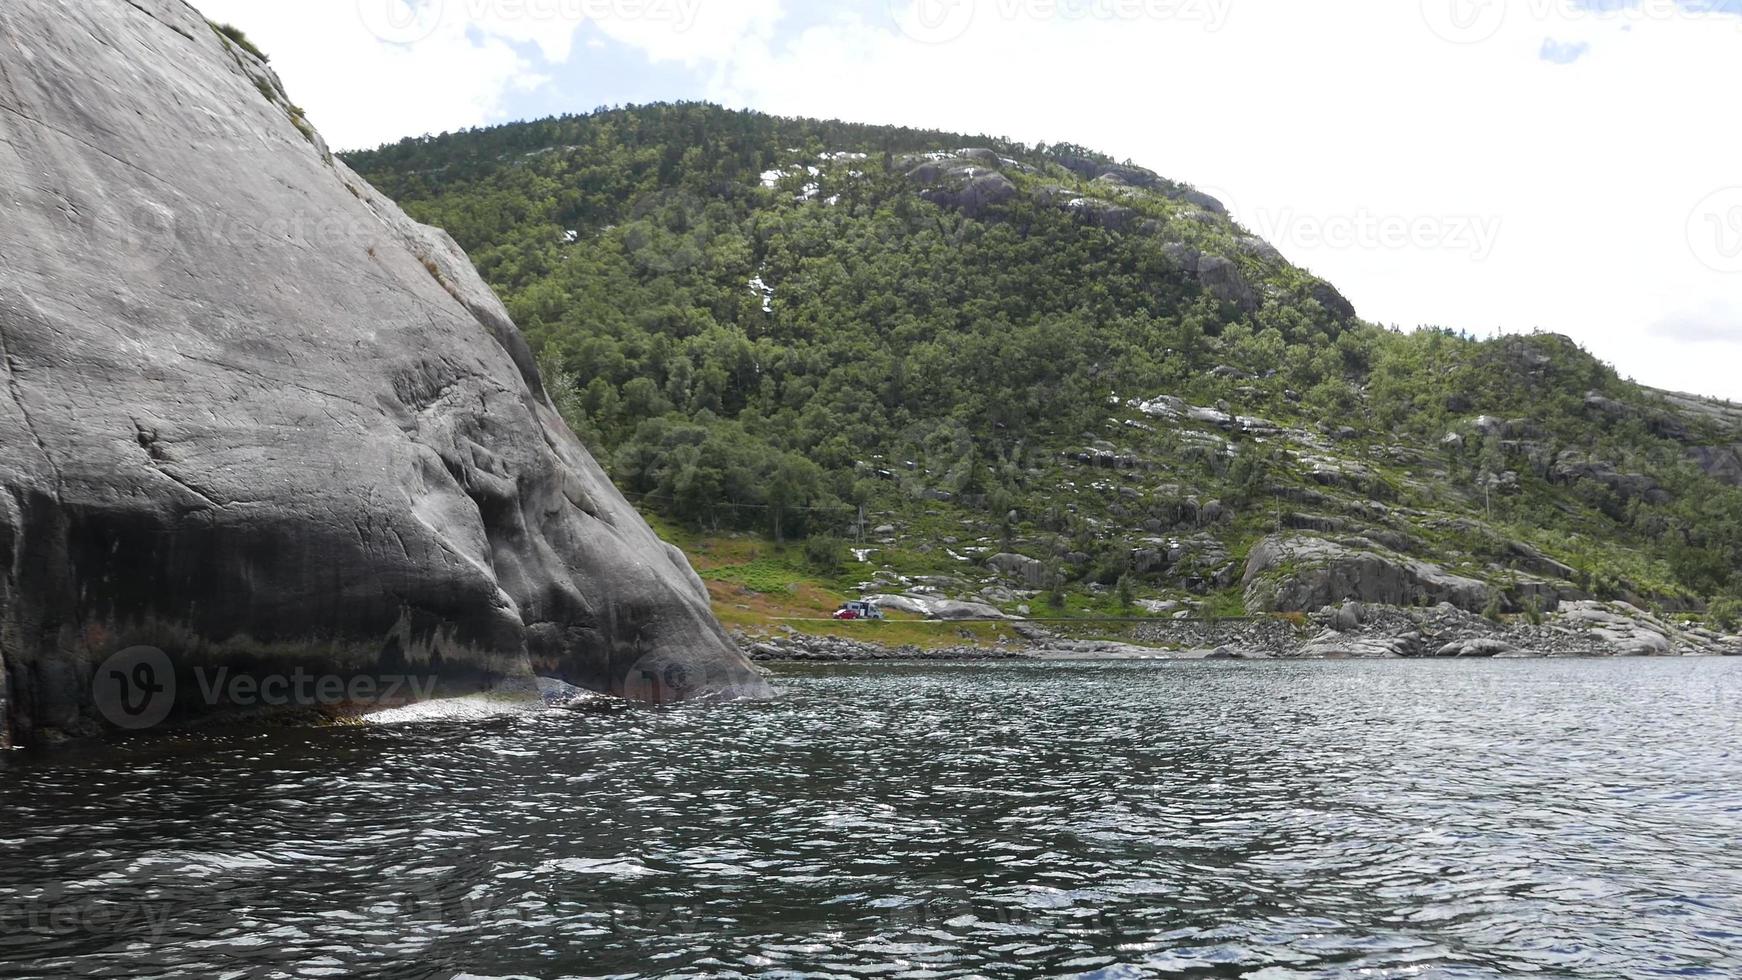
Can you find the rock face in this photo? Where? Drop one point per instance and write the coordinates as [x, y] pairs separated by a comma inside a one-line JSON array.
[[256, 417], [953, 184], [1573, 465], [1301, 574], [1484, 647], [1723, 463], [961, 181]]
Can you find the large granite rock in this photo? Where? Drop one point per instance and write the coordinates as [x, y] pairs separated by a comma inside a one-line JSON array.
[[1619, 629], [968, 187], [1132, 176], [1333, 301], [1302, 573], [1337, 646], [1223, 279], [254, 416]]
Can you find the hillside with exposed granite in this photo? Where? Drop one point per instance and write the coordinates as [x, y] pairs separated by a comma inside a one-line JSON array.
[[1036, 381]]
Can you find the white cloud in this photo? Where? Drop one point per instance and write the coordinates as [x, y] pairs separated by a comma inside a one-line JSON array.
[[1713, 323], [1564, 52], [372, 71], [1548, 198], [689, 31], [361, 90], [1587, 200]]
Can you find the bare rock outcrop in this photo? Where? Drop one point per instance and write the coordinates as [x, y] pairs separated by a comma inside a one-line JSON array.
[[255, 417], [1301, 573]]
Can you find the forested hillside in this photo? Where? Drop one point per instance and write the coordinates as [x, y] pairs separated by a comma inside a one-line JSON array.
[[1037, 353]]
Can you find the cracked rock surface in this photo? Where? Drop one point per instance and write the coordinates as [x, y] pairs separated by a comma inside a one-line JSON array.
[[253, 415]]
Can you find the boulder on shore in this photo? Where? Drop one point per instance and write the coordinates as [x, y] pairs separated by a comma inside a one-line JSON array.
[[1477, 648], [257, 418]]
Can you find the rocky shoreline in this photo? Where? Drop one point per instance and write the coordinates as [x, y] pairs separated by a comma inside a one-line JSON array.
[[834, 649], [1348, 631]]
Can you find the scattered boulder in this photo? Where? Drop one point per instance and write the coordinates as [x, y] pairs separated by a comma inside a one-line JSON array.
[[1182, 256], [1477, 648], [1618, 629], [1333, 301], [1347, 619], [1163, 407], [1130, 176], [1197, 198], [1237, 653], [1603, 405], [1336, 646], [1488, 425], [1133, 176], [1148, 561], [965, 186], [1261, 250], [1222, 279], [1103, 214], [1211, 416], [1031, 573]]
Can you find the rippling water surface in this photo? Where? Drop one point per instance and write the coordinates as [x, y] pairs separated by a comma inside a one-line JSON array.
[[1542, 818]]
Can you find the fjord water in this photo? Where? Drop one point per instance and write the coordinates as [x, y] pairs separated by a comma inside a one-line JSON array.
[[1273, 820]]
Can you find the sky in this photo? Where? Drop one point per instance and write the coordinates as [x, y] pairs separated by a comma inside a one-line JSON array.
[[1572, 166]]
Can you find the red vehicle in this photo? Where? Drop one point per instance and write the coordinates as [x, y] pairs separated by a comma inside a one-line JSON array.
[[858, 610]]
